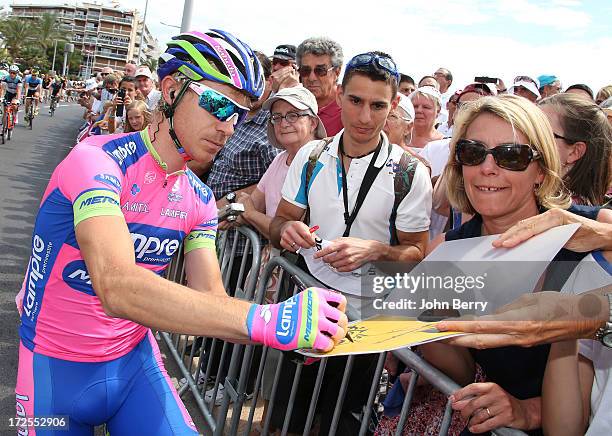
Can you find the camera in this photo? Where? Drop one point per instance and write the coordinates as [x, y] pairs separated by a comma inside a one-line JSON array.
[[485, 79], [119, 109]]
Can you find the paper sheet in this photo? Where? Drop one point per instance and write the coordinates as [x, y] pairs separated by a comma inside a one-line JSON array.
[[380, 334]]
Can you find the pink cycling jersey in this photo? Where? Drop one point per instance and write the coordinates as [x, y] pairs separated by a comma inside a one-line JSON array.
[[120, 175]]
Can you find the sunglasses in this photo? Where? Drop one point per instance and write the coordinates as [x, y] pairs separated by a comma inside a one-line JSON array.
[[282, 62], [319, 70], [366, 59], [218, 105], [513, 157], [525, 79]]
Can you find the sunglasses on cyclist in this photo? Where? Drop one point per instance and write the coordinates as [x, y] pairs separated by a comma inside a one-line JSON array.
[[366, 59], [319, 70], [218, 105], [513, 157], [291, 117]]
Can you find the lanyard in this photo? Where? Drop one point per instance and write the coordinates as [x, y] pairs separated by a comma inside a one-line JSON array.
[[366, 184]]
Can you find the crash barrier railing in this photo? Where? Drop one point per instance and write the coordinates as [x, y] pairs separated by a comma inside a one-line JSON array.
[[202, 359], [240, 370], [234, 387]]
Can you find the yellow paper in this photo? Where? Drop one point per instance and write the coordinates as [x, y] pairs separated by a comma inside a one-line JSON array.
[[384, 333]]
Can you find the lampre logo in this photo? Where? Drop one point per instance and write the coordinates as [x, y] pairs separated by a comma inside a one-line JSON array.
[[36, 274], [76, 276], [286, 325], [22, 430], [109, 179], [122, 152], [153, 250]]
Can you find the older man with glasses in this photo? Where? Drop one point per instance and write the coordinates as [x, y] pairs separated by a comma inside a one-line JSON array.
[[319, 63]]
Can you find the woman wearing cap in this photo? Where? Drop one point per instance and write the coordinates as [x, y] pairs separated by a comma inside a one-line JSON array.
[[400, 123], [426, 101], [519, 180], [584, 139], [293, 123]]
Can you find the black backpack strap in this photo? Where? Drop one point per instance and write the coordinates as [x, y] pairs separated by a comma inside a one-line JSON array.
[[402, 183], [313, 158]]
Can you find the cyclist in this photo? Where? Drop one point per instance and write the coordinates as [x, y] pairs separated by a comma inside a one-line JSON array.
[[33, 88], [47, 81], [4, 70], [56, 87], [114, 213], [11, 89]]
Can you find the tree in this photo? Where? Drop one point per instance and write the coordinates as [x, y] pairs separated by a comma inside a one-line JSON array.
[[48, 30], [151, 63], [15, 33]]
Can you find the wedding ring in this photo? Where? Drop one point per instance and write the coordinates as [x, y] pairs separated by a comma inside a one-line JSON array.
[[488, 412], [293, 244]]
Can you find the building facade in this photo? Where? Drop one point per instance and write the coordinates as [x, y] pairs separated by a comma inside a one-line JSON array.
[[107, 36]]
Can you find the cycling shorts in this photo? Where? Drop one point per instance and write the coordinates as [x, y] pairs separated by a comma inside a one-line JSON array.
[[131, 394], [9, 97], [31, 92]]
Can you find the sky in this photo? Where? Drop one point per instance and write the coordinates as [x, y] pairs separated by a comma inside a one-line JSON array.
[[497, 38]]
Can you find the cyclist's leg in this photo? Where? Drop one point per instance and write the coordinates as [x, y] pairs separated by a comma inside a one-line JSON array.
[[152, 405], [42, 390], [36, 102]]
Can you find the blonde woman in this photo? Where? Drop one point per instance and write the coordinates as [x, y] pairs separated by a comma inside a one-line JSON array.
[[504, 168]]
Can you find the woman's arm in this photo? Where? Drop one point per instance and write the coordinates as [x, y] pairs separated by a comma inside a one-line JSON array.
[[255, 211], [455, 362], [566, 377]]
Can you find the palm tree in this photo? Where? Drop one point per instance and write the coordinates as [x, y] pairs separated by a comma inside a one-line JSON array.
[[151, 63], [48, 30], [15, 32]]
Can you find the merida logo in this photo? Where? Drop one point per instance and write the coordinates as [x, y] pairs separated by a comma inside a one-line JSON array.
[[98, 199], [309, 301], [36, 263]]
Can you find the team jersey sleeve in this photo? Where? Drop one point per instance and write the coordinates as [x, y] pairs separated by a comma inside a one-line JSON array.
[[294, 189], [413, 213], [204, 234], [92, 182]]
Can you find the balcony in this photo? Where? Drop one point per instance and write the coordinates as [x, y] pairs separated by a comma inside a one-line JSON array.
[[113, 43], [116, 19], [115, 31], [110, 55]]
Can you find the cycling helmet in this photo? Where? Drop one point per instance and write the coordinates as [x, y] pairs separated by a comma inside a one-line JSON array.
[[13, 69], [235, 64], [4, 66], [34, 71]]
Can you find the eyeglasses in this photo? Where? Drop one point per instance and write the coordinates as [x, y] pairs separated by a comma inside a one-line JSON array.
[[319, 70], [383, 62], [291, 117], [513, 157], [218, 105], [397, 117]]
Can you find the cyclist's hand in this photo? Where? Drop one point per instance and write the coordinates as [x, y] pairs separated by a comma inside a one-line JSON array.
[[313, 318]]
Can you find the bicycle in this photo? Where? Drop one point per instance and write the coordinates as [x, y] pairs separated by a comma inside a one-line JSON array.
[[29, 115], [8, 121], [52, 105]]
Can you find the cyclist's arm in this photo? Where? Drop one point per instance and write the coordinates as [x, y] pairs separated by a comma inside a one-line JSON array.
[[18, 93], [3, 90], [131, 292], [202, 271]]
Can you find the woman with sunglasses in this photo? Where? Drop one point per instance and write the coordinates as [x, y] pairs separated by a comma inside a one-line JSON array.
[[583, 137], [504, 169], [115, 212]]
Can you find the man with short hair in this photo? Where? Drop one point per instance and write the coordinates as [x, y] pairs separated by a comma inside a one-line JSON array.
[[130, 69], [106, 71], [429, 81], [284, 69], [406, 85], [319, 63], [146, 86], [353, 235], [526, 87], [549, 85], [582, 90]]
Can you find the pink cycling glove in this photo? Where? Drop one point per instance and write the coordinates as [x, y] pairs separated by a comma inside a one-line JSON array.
[[299, 322]]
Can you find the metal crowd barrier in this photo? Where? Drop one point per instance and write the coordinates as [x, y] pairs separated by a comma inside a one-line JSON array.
[[185, 348], [243, 357]]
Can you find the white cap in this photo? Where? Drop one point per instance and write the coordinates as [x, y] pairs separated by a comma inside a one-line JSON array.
[[406, 104], [530, 86]]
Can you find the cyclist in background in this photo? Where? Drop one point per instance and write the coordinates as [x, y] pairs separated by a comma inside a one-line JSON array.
[[33, 88], [3, 70], [55, 87], [47, 81], [11, 88]]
